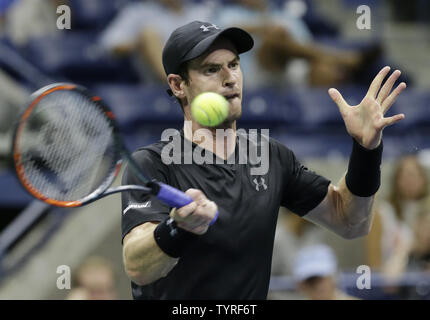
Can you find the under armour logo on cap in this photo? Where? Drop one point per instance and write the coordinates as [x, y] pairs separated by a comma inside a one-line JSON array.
[[195, 38], [206, 28]]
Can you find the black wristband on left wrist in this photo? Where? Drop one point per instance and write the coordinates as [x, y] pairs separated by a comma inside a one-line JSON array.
[[363, 178]]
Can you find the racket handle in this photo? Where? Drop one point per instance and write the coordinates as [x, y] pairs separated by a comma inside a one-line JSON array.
[[172, 196], [215, 218], [176, 198]]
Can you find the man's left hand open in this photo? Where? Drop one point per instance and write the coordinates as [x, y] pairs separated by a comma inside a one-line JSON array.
[[365, 122]]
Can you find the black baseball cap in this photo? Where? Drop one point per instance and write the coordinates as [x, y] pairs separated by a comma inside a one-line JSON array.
[[193, 39]]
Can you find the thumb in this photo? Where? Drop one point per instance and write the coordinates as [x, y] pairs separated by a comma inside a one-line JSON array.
[[336, 96], [196, 194]]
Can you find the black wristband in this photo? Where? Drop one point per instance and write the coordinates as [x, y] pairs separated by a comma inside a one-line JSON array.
[[364, 170], [171, 239]]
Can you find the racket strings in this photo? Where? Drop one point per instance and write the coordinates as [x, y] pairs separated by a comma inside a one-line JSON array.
[[66, 146]]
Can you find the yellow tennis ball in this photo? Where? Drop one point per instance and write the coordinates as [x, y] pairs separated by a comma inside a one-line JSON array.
[[209, 109]]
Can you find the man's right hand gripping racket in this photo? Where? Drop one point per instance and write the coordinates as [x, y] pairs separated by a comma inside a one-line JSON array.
[[67, 150]]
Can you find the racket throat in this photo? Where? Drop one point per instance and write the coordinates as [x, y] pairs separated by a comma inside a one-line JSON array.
[[154, 186]]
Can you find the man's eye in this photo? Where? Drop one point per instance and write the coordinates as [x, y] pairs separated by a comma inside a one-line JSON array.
[[234, 65], [211, 70]]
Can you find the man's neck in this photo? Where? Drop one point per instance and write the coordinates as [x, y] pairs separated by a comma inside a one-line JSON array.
[[207, 138]]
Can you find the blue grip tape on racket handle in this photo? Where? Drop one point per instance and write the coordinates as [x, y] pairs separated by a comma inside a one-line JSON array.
[[172, 196], [214, 219], [176, 198]]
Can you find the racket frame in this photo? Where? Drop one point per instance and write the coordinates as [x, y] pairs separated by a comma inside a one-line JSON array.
[[102, 189], [168, 194]]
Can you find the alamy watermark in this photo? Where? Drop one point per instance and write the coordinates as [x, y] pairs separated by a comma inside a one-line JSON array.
[[64, 280], [253, 147], [364, 21], [64, 21], [365, 278]]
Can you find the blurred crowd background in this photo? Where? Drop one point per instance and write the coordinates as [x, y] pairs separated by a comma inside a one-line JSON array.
[[302, 48]]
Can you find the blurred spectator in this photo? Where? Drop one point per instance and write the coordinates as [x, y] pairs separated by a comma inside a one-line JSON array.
[[285, 52], [94, 280], [419, 255], [419, 258], [79, 294], [391, 238], [292, 234], [26, 19], [13, 98], [315, 269], [410, 11], [142, 28]]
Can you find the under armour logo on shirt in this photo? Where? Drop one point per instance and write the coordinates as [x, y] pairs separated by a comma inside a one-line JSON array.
[[259, 184], [206, 28]]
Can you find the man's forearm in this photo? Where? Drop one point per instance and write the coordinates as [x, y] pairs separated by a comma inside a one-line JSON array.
[[357, 211], [144, 261], [347, 208], [359, 186]]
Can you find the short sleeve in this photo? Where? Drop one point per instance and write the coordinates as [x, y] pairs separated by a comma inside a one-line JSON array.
[[303, 188], [137, 207]]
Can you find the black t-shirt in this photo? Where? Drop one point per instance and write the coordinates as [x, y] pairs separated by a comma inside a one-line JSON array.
[[232, 260]]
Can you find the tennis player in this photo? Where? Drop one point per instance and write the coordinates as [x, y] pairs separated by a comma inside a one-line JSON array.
[[231, 259]]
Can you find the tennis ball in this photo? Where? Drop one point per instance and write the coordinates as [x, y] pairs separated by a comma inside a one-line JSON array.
[[209, 109]]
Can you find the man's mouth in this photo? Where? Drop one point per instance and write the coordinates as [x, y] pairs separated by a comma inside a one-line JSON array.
[[230, 97]]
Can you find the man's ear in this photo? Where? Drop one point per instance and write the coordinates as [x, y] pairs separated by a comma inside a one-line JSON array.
[[175, 82]]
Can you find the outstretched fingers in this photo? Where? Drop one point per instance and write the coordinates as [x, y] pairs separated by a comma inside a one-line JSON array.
[[394, 119], [388, 85], [388, 102], [377, 81], [336, 96]]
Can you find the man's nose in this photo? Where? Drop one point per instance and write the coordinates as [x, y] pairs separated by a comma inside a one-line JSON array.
[[229, 79]]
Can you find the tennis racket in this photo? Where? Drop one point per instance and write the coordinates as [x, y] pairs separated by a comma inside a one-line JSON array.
[[67, 150]]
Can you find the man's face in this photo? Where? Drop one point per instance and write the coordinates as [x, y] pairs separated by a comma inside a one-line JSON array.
[[217, 71]]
